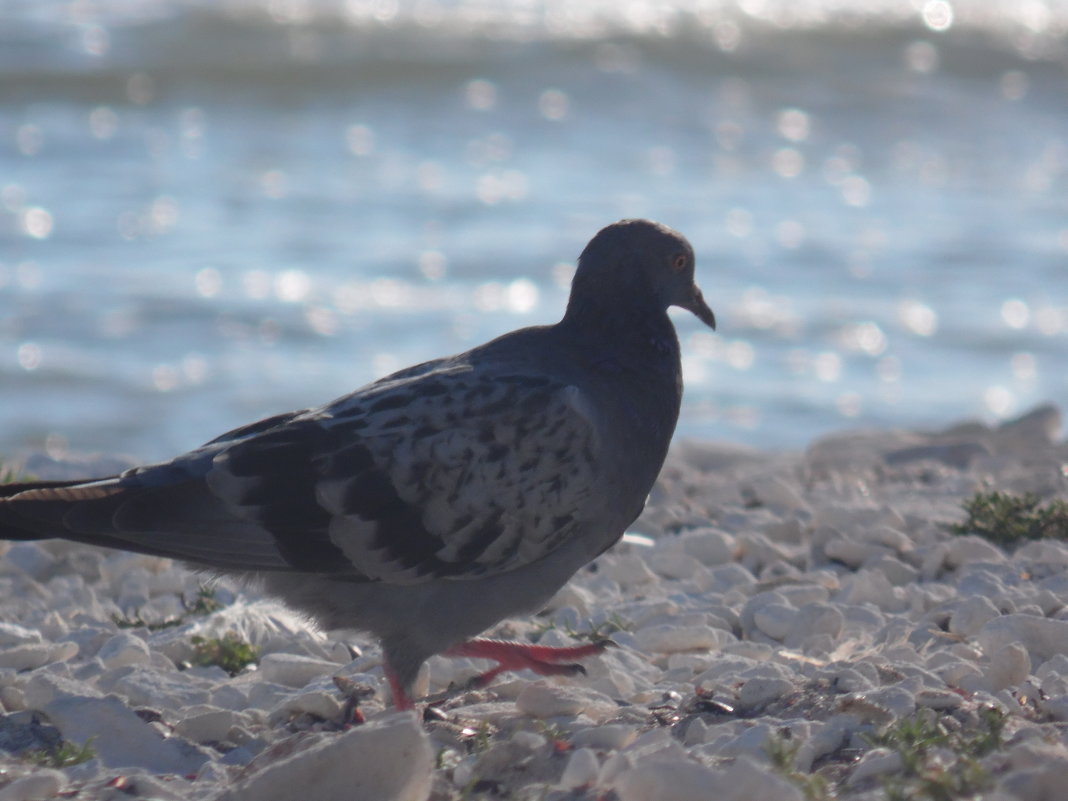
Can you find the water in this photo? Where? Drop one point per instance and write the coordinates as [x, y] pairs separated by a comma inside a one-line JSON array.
[[211, 212]]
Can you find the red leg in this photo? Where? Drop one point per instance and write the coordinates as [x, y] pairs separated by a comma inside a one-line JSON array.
[[541, 659], [401, 700]]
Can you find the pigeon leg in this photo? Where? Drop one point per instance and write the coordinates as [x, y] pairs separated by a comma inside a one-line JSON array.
[[541, 659], [401, 699]]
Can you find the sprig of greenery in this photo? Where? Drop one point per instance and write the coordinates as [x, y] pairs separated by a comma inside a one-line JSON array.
[[924, 777], [231, 653], [782, 753], [1006, 519], [61, 755]]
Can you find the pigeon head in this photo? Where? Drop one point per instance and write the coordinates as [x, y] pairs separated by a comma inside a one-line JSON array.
[[642, 260]]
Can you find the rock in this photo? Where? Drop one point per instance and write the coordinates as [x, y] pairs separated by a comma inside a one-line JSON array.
[[877, 762], [710, 547], [293, 670], [43, 783], [1009, 666], [971, 615], [581, 769], [124, 649], [666, 781], [748, 779], [970, 548], [757, 692], [610, 737], [129, 741], [540, 699], [207, 725], [667, 638], [389, 759], [14, 634], [814, 619], [775, 620], [1042, 637], [34, 655]]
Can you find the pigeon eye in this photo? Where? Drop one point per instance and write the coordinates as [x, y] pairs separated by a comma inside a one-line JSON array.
[[678, 264]]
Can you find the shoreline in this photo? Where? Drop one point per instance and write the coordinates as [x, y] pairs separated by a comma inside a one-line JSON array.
[[779, 617]]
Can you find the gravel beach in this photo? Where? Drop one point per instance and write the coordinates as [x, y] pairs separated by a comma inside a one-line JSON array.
[[788, 625]]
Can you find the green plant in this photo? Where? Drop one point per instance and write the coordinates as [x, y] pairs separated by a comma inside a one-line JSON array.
[[1006, 519], [204, 603], [782, 753], [61, 755], [9, 475], [231, 653], [927, 776]]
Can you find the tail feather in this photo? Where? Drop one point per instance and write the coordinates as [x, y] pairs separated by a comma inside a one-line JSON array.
[[14, 526]]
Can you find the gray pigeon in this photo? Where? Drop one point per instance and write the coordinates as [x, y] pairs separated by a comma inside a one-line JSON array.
[[427, 506]]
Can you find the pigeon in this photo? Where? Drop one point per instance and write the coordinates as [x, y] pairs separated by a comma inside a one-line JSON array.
[[429, 505]]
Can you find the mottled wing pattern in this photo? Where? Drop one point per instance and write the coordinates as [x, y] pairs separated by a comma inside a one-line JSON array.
[[444, 474]]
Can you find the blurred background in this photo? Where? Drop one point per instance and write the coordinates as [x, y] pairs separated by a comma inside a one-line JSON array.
[[214, 210]]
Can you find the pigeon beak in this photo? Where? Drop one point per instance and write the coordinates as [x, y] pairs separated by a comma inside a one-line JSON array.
[[696, 303]]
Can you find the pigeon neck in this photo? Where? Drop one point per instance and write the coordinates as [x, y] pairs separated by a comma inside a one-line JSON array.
[[637, 328]]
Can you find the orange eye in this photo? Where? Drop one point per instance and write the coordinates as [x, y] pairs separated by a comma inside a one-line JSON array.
[[679, 263]]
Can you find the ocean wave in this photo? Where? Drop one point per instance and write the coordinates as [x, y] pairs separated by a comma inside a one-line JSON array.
[[54, 41]]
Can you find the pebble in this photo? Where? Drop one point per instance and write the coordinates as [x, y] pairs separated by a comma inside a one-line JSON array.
[[43, 783], [294, 670], [389, 759]]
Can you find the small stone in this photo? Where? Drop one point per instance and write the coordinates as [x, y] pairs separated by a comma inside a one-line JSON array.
[[540, 699], [124, 649], [628, 570], [748, 779], [850, 553], [294, 670], [1009, 666], [317, 703], [34, 655], [581, 769], [775, 620], [665, 781], [130, 742], [711, 547], [389, 759], [759, 691], [211, 726], [668, 638], [14, 634], [41, 784], [31, 558], [1042, 637], [970, 548], [814, 619], [877, 762], [971, 615], [610, 737]]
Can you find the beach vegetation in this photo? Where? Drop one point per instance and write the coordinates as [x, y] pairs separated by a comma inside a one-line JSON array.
[[1007, 519], [231, 653]]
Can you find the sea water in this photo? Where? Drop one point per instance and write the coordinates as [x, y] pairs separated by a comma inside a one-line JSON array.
[[212, 211]]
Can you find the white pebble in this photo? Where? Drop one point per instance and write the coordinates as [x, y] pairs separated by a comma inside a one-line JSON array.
[[294, 670], [971, 615], [711, 547], [1042, 637], [124, 649], [43, 783], [1009, 666], [211, 726], [665, 781], [775, 620], [540, 699], [389, 759], [581, 769], [668, 638], [610, 737], [877, 762], [34, 655], [970, 548], [760, 690]]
